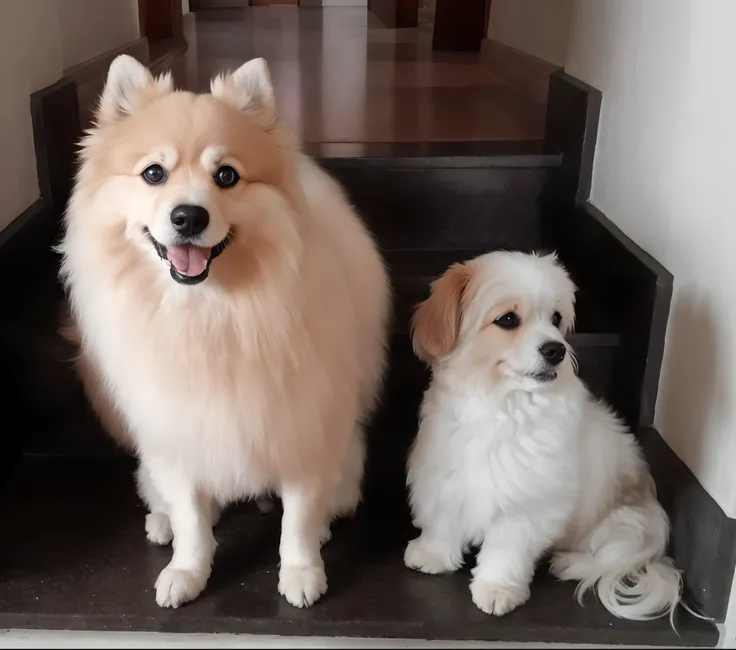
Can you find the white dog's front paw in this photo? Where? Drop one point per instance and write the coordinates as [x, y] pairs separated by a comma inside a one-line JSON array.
[[428, 558], [498, 599], [158, 528], [302, 585], [175, 587]]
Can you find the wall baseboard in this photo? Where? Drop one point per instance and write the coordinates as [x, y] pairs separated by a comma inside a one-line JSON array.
[[21, 261], [528, 72], [56, 132], [20, 252], [703, 537]]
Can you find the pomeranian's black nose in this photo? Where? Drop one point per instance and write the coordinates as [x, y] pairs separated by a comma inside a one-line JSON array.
[[189, 220], [553, 352]]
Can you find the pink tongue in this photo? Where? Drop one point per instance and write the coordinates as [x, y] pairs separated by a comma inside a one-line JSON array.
[[188, 260]]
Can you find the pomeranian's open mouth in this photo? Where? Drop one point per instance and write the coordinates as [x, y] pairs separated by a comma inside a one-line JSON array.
[[188, 264]]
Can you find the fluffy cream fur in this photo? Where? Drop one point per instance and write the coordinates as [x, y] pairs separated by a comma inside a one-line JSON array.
[[255, 380], [515, 456]]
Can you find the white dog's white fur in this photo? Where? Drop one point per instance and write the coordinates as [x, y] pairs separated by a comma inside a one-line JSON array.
[[255, 380], [515, 456]]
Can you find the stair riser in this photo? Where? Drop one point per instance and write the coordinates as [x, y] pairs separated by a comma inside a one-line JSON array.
[[446, 209]]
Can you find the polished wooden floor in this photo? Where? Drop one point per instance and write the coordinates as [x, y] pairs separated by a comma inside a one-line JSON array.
[[342, 77]]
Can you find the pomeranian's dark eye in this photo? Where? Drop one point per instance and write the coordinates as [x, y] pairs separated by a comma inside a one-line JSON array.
[[154, 174], [556, 319], [509, 321], [226, 177]]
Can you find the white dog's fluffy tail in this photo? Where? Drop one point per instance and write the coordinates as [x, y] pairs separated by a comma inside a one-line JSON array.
[[625, 562]]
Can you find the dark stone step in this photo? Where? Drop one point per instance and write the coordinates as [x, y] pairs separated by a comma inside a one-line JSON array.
[[424, 207], [445, 196], [76, 558]]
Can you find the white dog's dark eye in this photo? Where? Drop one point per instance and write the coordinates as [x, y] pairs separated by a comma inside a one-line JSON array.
[[226, 177], [556, 319], [154, 174], [509, 321]]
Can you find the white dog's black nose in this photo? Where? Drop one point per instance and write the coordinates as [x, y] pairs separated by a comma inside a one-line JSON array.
[[553, 352], [189, 220]]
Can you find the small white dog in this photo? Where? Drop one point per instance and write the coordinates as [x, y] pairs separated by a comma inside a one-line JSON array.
[[514, 455]]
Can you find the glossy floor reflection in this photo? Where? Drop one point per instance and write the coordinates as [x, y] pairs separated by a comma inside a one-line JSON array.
[[342, 77]]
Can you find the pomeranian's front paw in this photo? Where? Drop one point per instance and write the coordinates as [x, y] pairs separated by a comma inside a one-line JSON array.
[[302, 586], [265, 505], [498, 599], [175, 587], [429, 558], [158, 528], [325, 534]]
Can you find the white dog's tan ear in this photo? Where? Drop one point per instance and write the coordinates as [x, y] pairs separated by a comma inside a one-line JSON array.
[[436, 322], [129, 85], [249, 89]]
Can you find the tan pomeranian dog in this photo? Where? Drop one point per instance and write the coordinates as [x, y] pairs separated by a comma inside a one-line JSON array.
[[231, 311]]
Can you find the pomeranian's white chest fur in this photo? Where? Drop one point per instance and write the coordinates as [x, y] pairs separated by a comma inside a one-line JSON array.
[[206, 408], [480, 459]]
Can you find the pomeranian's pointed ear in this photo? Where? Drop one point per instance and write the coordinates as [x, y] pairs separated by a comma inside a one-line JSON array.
[[129, 85], [436, 322], [249, 89]]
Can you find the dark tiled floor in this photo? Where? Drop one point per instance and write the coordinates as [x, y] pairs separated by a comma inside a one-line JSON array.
[[341, 77]]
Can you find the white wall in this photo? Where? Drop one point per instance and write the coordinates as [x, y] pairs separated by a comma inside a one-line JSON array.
[[538, 27], [91, 27], [664, 172], [30, 59]]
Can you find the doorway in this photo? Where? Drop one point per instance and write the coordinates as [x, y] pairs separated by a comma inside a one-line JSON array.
[[460, 25]]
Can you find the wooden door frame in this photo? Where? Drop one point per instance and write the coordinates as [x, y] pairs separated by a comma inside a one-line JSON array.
[[176, 24], [396, 13]]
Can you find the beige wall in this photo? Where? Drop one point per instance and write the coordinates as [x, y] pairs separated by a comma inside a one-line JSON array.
[[30, 59], [538, 27], [664, 172], [38, 40], [91, 27]]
